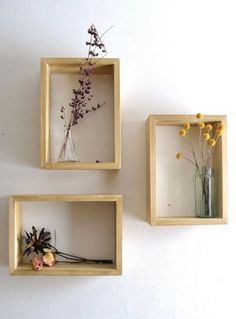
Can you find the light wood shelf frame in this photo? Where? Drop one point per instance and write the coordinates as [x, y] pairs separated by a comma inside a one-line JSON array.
[[15, 234], [71, 66], [220, 161]]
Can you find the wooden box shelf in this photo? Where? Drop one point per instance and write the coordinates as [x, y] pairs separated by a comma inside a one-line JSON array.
[[97, 135], [90, 225], [170, 193]]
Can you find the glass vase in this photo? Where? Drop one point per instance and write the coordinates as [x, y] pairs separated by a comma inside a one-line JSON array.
[[205, 193], [68, 152]]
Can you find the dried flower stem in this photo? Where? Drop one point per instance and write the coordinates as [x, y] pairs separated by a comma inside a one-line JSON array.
[[39, 243], [206, 143], [200, 144], [212, 149], [203, 159], [77, 259], [193, 151], [82, 96], [187, 159]]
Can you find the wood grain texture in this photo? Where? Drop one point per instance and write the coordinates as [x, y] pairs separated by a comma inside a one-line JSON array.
[[70, 66], [220, 164], [119, 210], [16, 267]]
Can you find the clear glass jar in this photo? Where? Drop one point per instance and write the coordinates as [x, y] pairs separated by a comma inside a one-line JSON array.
[[205, 193]]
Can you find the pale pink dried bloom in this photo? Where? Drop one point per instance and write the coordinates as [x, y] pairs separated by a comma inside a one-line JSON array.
[[37, 263]]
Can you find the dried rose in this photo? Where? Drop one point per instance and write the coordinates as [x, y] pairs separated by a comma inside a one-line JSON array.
[[49, 259], [37, 263]]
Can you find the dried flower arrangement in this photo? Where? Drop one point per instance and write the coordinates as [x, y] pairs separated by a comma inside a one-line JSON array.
[[202, 155], [207, 141], [82, 96], [39, 242]]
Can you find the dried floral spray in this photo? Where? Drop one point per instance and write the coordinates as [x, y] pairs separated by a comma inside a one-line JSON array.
[[39, 242], [207, 140], [80, 102]]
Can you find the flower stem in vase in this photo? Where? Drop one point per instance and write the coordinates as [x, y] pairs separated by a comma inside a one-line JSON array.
[[68, 149], [81, 102], [204, 193]]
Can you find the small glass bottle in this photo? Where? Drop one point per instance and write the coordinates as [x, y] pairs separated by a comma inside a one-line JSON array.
[[68, 151], [205, 193]]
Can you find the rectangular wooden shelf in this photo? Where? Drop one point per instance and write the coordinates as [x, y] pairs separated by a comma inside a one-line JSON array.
[[71, 67], [18, 267], [154, 213]]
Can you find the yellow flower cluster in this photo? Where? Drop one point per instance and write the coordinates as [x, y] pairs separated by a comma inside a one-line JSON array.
[[212, 136], [208, 135]]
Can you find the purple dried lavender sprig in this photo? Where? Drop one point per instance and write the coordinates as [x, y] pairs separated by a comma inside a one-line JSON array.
[[82, 96], [80, 113]]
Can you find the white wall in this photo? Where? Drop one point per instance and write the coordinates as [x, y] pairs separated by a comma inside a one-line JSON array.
[[176, 57]]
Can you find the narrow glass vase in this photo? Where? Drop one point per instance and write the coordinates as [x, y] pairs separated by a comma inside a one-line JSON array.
[[68, 151], [205, 193]]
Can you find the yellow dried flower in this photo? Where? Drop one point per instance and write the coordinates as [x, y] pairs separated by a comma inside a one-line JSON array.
[[212, 142], [178, 156], [220, 127], [201, 124], [186, 126], [49, 259], [208, 127], [220, 132], [199, 116], [206, 136], [182, 132]]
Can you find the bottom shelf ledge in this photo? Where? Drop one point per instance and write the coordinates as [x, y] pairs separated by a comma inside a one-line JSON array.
[[65, 269], [165, 221]]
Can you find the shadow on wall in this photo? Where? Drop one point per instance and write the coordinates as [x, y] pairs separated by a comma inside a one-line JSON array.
[[130, 180], [4, 231], [19, 132], [133, 171]]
